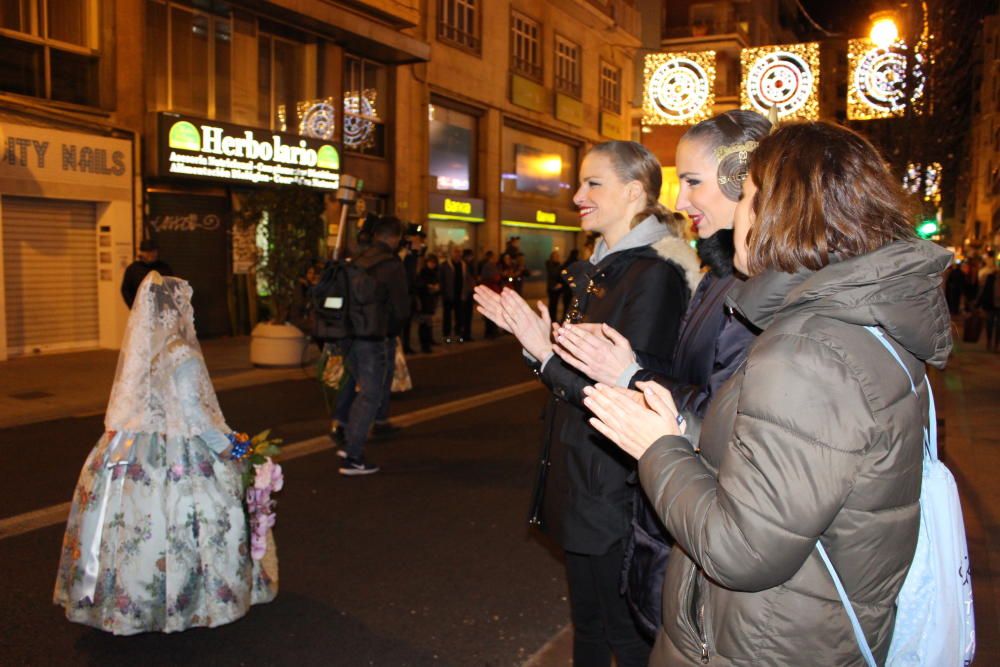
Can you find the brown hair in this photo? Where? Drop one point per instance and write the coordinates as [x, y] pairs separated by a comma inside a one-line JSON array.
[[821, 189], [633, 162]]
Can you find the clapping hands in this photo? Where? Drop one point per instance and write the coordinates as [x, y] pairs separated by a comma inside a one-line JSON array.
[[512, 313], [633, 420], [596, 350]]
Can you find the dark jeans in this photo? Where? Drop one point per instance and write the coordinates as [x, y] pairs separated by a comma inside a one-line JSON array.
[[602, 622], [345, 399], [462, 313], [369, 365]]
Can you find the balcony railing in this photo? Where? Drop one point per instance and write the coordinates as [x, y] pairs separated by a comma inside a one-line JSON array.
[[623, 12]]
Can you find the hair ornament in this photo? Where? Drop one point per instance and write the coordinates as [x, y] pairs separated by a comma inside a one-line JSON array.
[[743, 149]]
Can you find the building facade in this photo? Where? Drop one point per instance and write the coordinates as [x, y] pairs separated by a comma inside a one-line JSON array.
[[982, 210], [123, 120], [501, 115]]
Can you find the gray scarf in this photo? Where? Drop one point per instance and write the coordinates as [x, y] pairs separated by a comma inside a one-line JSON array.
[[647, 232]]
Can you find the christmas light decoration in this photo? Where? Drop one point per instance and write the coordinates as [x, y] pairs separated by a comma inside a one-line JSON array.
[[876, 78], [679, 88], [783, 77]]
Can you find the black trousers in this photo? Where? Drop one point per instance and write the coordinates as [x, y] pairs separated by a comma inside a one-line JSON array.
[[602, 622]]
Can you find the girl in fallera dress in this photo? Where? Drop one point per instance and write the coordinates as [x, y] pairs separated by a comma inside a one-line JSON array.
[[157, 537]]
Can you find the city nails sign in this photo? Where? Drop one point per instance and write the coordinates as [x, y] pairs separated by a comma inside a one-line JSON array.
[[205, 149]]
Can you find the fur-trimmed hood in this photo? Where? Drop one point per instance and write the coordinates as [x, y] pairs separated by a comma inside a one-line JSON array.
[[678, 251]]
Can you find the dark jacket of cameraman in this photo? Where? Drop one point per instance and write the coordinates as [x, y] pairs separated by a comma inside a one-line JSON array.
[[387, 269]]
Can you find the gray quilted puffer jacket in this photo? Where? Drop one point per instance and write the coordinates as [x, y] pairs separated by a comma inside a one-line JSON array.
[[816, 437]]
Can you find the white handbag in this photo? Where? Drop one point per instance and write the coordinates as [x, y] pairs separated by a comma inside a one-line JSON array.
[[935, 625]]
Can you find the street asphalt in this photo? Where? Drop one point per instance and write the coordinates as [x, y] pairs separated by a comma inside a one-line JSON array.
[[429, 562]]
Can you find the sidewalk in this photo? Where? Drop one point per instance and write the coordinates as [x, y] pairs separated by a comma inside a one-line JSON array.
[[968, 404], [77, 384]]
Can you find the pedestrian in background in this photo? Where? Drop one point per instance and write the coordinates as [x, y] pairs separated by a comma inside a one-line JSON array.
[[410, 252], [465, 321], [456, 290], [149, 260], [989, 300], [818, 437], [584, 503], [429, 293]]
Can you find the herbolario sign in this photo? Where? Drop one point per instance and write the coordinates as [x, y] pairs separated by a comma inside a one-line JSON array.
[[206, 149]]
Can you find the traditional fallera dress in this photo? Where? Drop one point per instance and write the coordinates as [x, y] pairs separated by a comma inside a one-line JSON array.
[[157, 537]]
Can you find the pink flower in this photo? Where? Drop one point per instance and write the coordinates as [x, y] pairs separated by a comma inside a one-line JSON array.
[[277, 478], [262, 479], [258, 546]]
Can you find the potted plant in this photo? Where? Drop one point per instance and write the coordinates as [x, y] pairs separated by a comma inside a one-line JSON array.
[[289, 229]]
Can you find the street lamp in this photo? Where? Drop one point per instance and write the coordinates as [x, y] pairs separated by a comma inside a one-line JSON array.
[[884, 30]]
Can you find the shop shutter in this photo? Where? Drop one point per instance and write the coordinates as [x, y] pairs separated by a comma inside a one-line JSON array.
[[50, 274]]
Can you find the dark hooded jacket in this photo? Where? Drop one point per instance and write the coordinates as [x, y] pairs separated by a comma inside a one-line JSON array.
[[816, 437]]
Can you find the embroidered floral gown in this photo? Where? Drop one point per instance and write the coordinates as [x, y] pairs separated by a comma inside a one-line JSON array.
[[157, 537]]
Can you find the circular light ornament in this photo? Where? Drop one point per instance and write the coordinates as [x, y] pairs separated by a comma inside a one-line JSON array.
[[780, 80], [358, 129], [318, 120], [783, 78], [878, 80], [679, 88]]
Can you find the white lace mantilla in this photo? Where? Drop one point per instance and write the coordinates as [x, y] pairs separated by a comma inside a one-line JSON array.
[[162, 384]]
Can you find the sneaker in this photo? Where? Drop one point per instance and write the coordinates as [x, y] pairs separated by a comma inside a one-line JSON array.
[[354, 468], [384, 429], [341, 452]]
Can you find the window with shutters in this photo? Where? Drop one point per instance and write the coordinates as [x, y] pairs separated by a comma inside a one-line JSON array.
[[611, 87], [526, 46], [458, 23], [567, 67], [49, 49], [190, 68]]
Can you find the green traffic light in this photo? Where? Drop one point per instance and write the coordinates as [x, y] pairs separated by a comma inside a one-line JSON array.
[[927, 229]]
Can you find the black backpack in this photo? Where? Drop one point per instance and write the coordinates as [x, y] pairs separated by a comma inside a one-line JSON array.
[[349, 302]]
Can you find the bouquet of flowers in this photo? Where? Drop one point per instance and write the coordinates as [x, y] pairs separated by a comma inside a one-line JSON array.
[[261, 477]]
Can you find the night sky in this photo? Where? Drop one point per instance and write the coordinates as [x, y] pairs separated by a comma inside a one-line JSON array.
[[848, 18]]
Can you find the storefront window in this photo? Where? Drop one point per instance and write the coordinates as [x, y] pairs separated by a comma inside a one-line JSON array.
[[538, 167], [57, 57], [366, 102], [452, 149]]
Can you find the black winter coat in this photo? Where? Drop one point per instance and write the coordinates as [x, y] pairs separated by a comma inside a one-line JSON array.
[[586, 504], [713, 343]]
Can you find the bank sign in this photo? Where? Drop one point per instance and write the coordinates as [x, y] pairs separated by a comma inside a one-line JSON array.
[[206, 149]]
